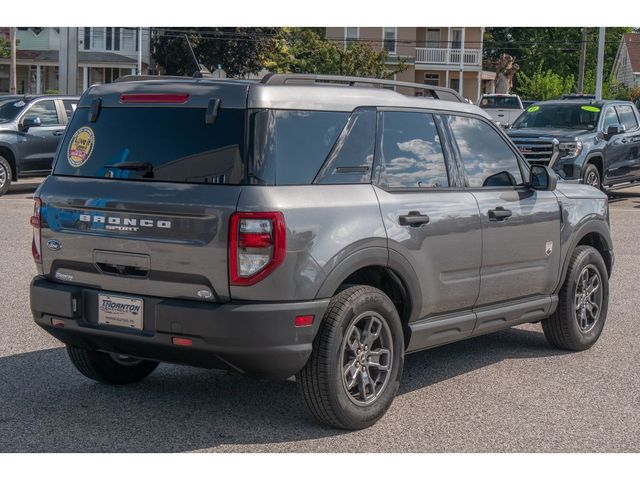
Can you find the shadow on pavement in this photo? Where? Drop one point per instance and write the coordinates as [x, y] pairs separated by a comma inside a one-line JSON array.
[[48, 407]]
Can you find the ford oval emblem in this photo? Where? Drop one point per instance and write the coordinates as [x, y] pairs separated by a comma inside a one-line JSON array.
[[54, 245]]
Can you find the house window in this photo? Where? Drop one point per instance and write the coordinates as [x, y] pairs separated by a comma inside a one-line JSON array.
[[432, 79], [350, 35], [624, 60], [113, 38], [389, 39], [87, 38], [454, 84], [433, 37], [456, 38]]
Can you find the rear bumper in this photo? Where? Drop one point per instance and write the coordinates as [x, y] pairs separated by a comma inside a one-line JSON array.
[[254, 338]]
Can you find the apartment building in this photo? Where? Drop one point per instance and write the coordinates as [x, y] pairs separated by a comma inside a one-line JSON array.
[[104, 54], [443, 56]]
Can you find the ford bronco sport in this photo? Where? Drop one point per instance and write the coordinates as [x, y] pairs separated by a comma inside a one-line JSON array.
[[304, 225]]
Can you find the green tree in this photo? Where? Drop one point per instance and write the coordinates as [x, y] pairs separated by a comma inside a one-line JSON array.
[[5, 48], [305, 50], [543, 84], [557, 48], [239, 51]]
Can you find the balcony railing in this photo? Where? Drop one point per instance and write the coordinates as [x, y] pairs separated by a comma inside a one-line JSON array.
[[448, 56]]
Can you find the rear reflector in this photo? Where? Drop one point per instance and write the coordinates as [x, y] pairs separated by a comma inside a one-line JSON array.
[[182, 342], [154, 98], [57, 323], [304, 320]]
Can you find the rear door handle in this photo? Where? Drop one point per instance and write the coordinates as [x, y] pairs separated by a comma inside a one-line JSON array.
[[414, 219], [499, 214], [57, 133]]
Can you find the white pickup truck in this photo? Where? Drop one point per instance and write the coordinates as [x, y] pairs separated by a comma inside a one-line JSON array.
[[504, 108]]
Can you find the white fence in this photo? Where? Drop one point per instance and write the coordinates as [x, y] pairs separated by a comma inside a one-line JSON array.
[[448, 56]]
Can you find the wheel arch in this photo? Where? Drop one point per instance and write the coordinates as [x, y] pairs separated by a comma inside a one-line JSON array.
[[594, 234], [9, 154], [596, 159], [384, 269]]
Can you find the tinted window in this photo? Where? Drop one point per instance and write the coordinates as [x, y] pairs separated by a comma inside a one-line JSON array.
[[411, 151], [351, 159], [168, 144], [500, 102], [576, 115], [610, 118], [45, 111], [10, 108], [627, 117], [70, 107], [487, 158], [290, 146]]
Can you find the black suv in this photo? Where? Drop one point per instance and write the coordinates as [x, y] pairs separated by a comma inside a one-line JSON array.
[[30, 129], [596, 142]]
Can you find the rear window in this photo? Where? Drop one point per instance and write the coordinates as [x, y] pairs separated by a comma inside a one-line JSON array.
[[155, 144], [500, 102]]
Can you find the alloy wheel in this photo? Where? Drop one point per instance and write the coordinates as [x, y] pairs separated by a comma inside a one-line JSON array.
[[592, 179], [366, 358], [588, 298], [3, 175]]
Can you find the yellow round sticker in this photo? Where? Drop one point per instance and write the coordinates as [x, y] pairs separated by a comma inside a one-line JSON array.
[[80, 146], [533, 108]]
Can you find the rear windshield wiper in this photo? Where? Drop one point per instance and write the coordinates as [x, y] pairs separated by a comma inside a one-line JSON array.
[[145, 167]]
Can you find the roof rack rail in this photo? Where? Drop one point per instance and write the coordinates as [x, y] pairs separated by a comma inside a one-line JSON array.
[[441, 93]]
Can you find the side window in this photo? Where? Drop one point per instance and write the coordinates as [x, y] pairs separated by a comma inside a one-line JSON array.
[[627, 117], [411, 151], [351, 159], [610, 118], [486, 156], [70, 107], [290, 146], [45, 111]]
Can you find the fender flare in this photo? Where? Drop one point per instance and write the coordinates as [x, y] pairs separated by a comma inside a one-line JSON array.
[[399, 266], [592, 226]]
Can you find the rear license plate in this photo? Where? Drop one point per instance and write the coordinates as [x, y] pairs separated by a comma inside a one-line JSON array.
[[120, 311]]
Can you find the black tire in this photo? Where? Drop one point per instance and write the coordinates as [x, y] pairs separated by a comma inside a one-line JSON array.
[[591, 176], [321, 384], [103, 368], [5, 175], [563, 329]]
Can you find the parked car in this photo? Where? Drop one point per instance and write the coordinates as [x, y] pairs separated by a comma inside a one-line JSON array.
[[598, 142], [503, 108], [281, 229], [30, 129]]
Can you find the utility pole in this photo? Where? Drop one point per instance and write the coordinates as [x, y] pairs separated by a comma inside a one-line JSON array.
[[13, 82], [461, 81], [600, 63], [583, 60], [68, 61], [139, 50]]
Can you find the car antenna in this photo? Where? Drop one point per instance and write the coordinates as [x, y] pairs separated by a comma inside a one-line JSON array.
[[201, 70]]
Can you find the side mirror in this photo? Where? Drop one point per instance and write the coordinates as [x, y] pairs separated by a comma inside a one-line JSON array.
[[542, 177], [614, 129], [29, 122]]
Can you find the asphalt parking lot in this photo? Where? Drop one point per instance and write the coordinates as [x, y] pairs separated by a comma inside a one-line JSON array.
[[506, 392]]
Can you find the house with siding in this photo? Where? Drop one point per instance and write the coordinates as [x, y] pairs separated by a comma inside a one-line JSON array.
[[104, 54], [626, 66], [442, 56]]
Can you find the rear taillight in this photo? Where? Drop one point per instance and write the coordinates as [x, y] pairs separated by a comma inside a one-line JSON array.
[[257, 245], [36, 222]]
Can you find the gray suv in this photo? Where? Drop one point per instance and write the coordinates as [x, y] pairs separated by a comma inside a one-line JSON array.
[[304, 225], [30, 130]]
